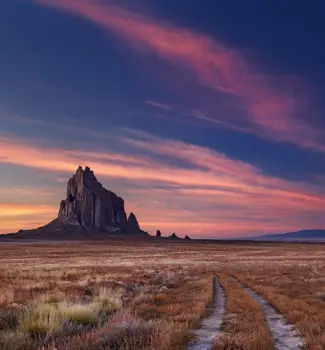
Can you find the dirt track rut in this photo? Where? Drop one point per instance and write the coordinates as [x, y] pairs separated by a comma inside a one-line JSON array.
[[209, 331], [285, 336]]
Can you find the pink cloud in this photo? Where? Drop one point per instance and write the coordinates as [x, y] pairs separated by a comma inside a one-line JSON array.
[[235, 171], [214, 195], [268, 110], [213, 168]]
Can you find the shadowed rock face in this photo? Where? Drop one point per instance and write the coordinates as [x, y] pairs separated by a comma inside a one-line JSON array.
[[133, 224], [91, 206]]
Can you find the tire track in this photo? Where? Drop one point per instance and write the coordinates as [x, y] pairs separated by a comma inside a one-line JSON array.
[[285, 335], [209, 331]]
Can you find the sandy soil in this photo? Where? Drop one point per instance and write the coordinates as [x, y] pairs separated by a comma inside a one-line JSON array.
[[209, 331]]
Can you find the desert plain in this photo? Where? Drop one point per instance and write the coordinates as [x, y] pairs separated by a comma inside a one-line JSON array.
[[156, 294]]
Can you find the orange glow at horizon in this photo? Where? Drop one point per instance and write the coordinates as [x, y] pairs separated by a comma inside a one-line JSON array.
[[16, 216], [216, 195], [13, 209]]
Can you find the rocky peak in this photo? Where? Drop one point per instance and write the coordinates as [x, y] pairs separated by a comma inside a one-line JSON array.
[[158, 233], [89, 205], [133, 222], [83, 179]]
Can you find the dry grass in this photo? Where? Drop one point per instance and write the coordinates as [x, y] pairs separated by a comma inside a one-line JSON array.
[[295, 293], [62, 300], [181, 304], [245, 327], [41, 320], [84, 314], [110, 299], [95, 295]]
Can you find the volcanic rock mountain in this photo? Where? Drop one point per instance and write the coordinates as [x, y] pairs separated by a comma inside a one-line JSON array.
[[89, 208], [90, 205]]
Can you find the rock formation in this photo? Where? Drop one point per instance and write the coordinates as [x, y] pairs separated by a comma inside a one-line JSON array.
[[173, 236], [158, 233], [132, 223], [90, 206]]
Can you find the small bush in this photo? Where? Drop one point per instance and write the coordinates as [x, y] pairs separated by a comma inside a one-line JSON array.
[[84, 314], [111, 299], [42, 320], [131, 337], [9, 319]]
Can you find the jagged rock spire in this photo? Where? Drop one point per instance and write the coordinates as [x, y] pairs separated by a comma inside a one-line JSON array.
[[133, 222], [89, 205]]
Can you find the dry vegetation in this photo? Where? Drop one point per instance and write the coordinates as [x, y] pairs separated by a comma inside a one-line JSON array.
[[244, 326], [297, 290], [118, 295]]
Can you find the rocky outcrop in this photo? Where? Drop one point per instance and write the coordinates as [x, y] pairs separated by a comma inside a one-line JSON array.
[[173, 236], [158, 233], [90, 206], [132, 224]]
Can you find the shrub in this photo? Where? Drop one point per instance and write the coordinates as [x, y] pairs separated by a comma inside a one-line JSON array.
[[111, 299], [9, 319], [137, 336], [84, 314], [42, 320]]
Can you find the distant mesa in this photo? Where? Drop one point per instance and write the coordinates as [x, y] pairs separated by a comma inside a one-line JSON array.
[[316, 235], [89, 208]]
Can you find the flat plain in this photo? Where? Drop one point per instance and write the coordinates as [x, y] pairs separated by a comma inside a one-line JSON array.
[[154, 294]]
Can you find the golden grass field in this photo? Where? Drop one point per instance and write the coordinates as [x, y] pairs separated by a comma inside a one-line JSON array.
[[149, 295]]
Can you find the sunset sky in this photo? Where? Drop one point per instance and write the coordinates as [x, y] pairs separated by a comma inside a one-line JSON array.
[[207, 117]]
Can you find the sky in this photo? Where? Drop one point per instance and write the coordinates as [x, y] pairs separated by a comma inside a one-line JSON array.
[[206, 117]]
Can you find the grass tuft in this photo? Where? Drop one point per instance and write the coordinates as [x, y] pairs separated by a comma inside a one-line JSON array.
[[110, 299], [138, 336], [42, 320], [9, 319], [85, 314]]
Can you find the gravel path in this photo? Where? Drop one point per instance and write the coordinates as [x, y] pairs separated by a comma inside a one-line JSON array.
[[285, 336], [209, 331]]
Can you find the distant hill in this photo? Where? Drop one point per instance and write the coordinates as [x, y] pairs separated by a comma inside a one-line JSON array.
[[298, 236]]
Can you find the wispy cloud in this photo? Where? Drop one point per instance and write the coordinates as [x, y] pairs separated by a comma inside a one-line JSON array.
[[212, 168], [267, 105], [159, 105], [175, 184]]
